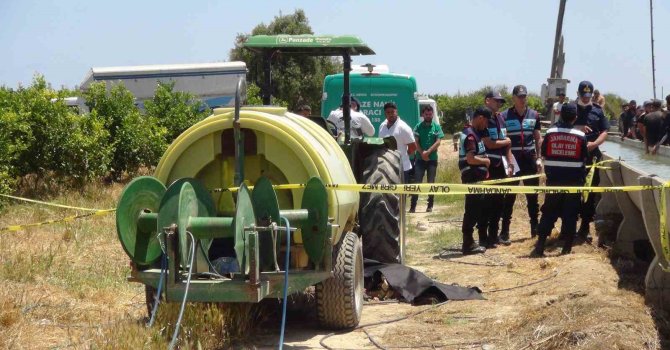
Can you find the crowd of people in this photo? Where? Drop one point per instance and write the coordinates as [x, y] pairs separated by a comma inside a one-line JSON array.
[[649, 123], [499, 144], [568, 147]]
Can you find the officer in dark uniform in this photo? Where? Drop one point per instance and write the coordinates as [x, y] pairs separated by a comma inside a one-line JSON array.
[[523, 129], [497, 147], [592, 121], [564, 150], [474, 164]]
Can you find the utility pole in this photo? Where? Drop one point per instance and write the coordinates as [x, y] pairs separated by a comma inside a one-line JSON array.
[[653, 64], [559, 55]]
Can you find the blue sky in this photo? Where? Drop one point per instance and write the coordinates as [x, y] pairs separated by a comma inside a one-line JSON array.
[[449, 46]]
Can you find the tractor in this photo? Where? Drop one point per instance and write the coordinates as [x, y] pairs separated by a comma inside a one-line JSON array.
[[211, 226]]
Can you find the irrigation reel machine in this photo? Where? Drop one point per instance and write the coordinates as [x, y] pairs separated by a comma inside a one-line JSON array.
[[195, 243]]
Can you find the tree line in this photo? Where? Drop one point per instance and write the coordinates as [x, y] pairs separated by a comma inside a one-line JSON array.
[[45, 144]]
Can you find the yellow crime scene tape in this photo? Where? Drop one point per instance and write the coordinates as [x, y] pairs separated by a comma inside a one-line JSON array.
[[463, 189], [55, 221], [510, 179], [47, 203], [93, 212]]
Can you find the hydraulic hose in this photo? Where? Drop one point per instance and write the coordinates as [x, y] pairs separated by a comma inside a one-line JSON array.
[[285, 293]]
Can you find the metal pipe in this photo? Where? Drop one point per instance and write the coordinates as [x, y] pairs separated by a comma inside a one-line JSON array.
[[346, 97], [653, 60], [147, 221], [211, 227], [239, 138], [297, 216], [267, 75]]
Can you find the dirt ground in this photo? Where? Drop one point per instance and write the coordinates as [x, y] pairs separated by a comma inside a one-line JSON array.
[[65, 287], [587, 300]]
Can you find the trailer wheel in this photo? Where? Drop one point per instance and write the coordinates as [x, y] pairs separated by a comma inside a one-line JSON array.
[[339, 299], [379, 214]]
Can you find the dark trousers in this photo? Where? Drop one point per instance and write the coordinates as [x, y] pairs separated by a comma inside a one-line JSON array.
[[527, 168], [492, 210], [473, 216], [421, 168], [563, 205], [588, 208]]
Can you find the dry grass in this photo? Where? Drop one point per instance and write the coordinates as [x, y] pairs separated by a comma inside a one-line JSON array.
[[64, 285]]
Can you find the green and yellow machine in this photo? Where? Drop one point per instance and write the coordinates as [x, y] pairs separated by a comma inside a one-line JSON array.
[[194, 238]]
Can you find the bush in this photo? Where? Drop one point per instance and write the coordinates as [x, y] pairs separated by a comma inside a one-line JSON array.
[[456, 107], [176, 111], [136, 140], [46, 139]]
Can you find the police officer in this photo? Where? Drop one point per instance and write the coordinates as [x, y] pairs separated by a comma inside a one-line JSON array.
[[523, 128], [564, 150], [497, 147], [592, 121], [473, 163]]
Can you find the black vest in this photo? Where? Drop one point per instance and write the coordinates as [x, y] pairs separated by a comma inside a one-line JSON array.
[[471, 173]]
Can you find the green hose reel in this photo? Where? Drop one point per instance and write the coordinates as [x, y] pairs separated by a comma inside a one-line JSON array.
[[147, 209]]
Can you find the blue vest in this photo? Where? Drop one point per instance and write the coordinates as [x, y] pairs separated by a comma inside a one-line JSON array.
[[520, 132], [564, 150], [496, 130], [471, 173]]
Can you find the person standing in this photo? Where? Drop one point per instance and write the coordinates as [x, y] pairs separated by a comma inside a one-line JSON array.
[[304, 110], [557, 107], [428, 135], [498, 151], [592, 121], [628, 120], [403, 134], [599, 99], [654, 124], [564, 150], [473, 163], [523, 129], [360, 123]]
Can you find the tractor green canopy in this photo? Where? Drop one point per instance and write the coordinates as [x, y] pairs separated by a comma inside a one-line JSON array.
[[308, 44], [311, 45]]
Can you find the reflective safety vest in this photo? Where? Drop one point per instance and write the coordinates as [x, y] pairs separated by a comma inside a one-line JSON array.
[[520, 132], [471, 173], [564, 151], [496, 130]]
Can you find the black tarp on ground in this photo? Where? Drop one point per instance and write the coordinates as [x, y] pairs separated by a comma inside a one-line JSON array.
[[413, 285]]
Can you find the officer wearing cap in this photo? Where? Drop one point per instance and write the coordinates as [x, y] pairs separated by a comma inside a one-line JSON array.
[[473, 163], [523, 129], [498, 150], [564, 150], [592, 121]]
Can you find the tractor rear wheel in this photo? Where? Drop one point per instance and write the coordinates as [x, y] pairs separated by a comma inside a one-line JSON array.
[[339, 299], [379, 214]]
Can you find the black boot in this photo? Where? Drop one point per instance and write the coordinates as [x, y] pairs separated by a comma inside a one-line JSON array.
[[472, 248], [583, 234], [533, 228], [538, 251]]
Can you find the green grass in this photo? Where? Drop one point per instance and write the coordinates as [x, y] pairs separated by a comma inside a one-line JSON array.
[[445, 238], [448, 172]]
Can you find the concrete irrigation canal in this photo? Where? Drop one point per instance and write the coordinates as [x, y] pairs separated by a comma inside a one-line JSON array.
[[633, 219]]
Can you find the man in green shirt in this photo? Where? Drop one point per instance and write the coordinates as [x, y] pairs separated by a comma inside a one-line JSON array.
[[428, 135]]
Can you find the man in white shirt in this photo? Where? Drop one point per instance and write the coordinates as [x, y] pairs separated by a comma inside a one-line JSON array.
[[557, 107], [360, 124], [404, 136]]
